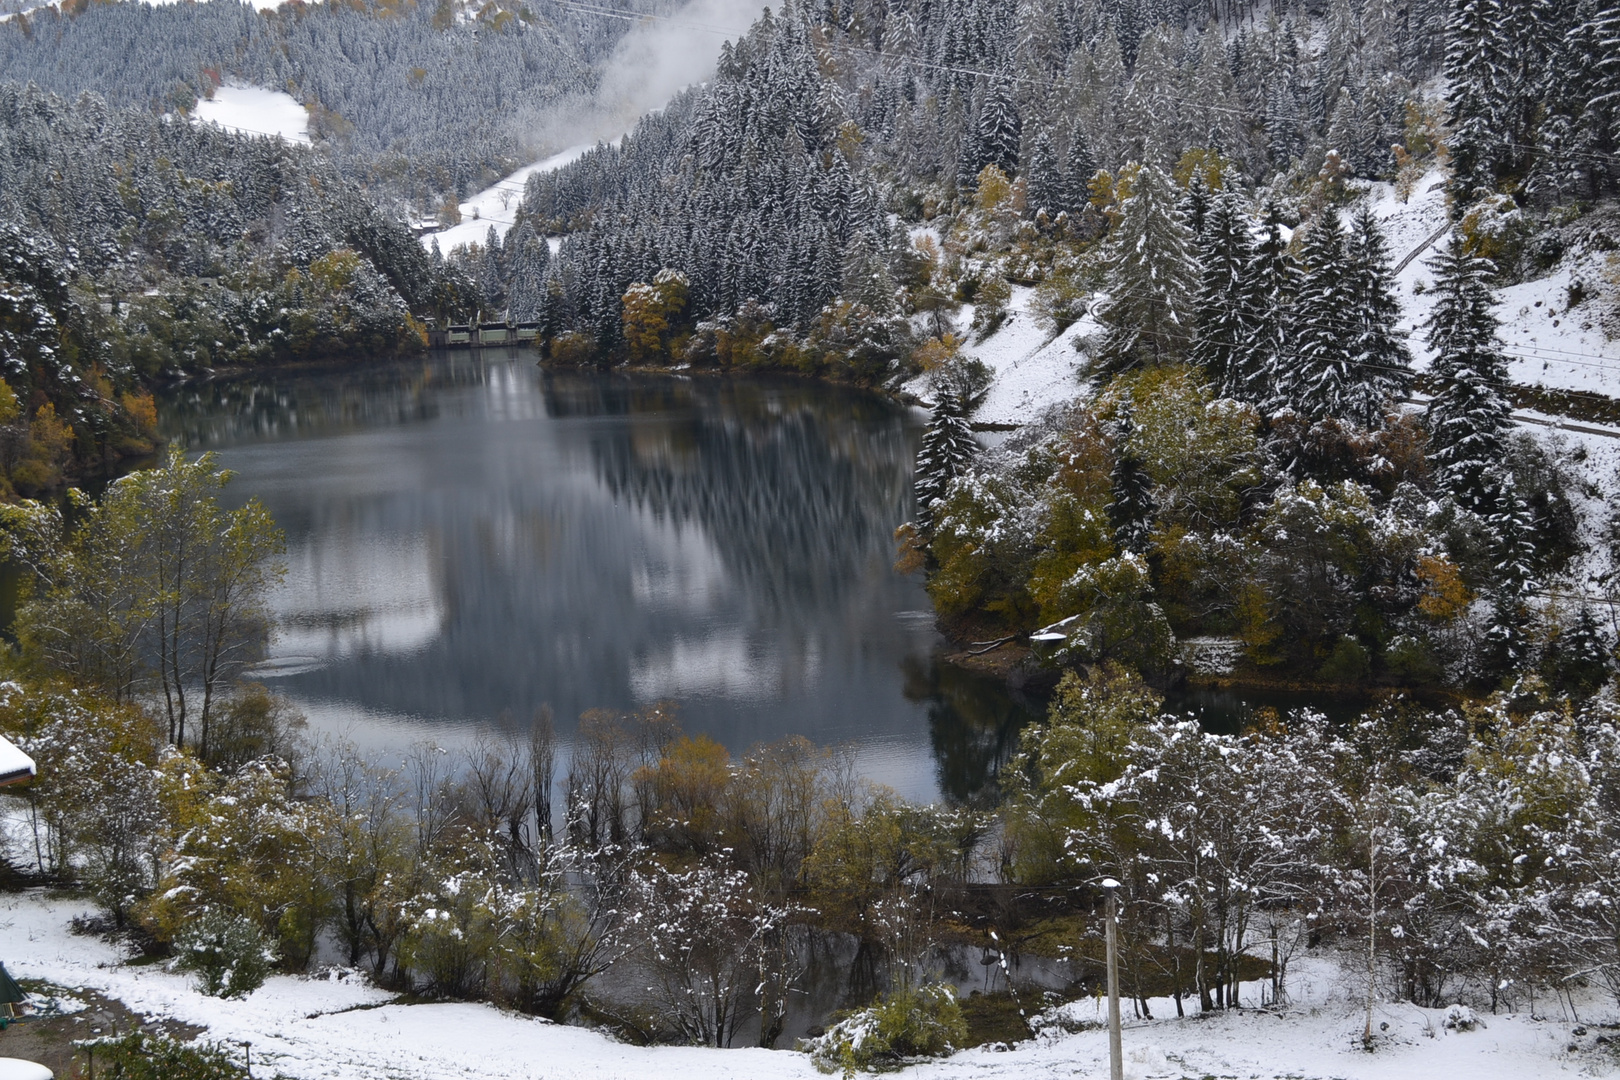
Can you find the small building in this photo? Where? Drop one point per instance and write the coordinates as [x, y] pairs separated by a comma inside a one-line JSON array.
[[15, 766]]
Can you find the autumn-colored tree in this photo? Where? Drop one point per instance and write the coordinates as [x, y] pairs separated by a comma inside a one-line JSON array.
[[651, 315], [158, 585]]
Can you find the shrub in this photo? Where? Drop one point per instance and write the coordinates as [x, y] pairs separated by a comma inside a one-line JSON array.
[[149, 1057], [573, 349], [226, 953], [905, 1024], [1060, 302], [1411, 660], [1347, 663], [990, 305]]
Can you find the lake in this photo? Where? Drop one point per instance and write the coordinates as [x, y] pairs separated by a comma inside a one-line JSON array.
[[470, 537]]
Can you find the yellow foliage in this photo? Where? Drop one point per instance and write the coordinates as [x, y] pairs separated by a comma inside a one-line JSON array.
[[911, 550], [994, 188], [649, 313], [1255, 625], [688, 787], [1204, 161], [10, 408], [54, 437], [572, 348], [244, 844], [141, 409], [334, 272], [1445, 595], [1076, 531], [936, 352]]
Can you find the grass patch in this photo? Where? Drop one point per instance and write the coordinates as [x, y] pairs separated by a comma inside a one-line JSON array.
[[992, 1018]]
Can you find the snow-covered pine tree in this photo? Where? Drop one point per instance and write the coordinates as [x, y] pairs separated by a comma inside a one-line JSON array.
[[1079, 166], [1193, 206], [995, 136], [1512, 528], [1485, 58], [1131, 509], [1045, 179], [1317, 379], [1468, 414], [1580, 132], [1152, 279], [1580, 658], [1225, 254], [1381, 369], [948, 448], [489, 274], [1267, 291]]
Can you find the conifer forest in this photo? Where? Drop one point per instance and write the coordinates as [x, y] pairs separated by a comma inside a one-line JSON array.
[[813, 528]]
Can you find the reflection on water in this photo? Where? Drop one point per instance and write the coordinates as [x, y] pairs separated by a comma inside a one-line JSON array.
[[469, 536], [1230, 711]]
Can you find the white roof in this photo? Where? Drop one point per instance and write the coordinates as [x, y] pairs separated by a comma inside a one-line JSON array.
[[16, 1068], [14, 766]]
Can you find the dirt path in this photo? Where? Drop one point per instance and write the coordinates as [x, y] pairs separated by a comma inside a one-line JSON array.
[[49, 1040]]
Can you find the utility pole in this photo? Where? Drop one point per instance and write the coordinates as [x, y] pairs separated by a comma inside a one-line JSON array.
[[1116, 1055]]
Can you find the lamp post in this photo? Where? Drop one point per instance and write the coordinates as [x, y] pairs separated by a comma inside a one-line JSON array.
[[1116, 1055]]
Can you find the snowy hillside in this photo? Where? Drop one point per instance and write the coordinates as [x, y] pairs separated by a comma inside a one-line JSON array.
[[1547, 344], [495, 206]]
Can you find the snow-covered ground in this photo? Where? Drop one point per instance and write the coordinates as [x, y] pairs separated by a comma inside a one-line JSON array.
[[1547, 345], [255, 111], [331, 1028], [1033, 369], [495, 205]]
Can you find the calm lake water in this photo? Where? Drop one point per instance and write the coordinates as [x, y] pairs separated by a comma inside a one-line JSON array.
[[470, 537]]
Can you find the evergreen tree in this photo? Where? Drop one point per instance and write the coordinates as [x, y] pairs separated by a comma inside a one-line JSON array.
[[1193, 206], [1468, 415], [1079, 166], [1580, 133], [1130, 511], [1152, 279], [1381, 363], [996, 136], [1266, 292], [1225, 253], [1318, 379], [1580, 658], [1046, 187], [1496, 57], [948, 448]]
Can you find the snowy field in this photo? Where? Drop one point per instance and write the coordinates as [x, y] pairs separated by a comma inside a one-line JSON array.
[[254, 110], [495, 205], [331, 1028]]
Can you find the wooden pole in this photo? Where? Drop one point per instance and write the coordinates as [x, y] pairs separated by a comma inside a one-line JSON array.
[[1116, 1055]]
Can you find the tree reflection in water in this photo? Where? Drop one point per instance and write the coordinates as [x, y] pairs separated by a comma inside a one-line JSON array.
[[973, 721], [470, 536]]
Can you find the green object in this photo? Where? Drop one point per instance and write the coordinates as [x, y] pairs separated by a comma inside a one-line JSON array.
[[10, 992]]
